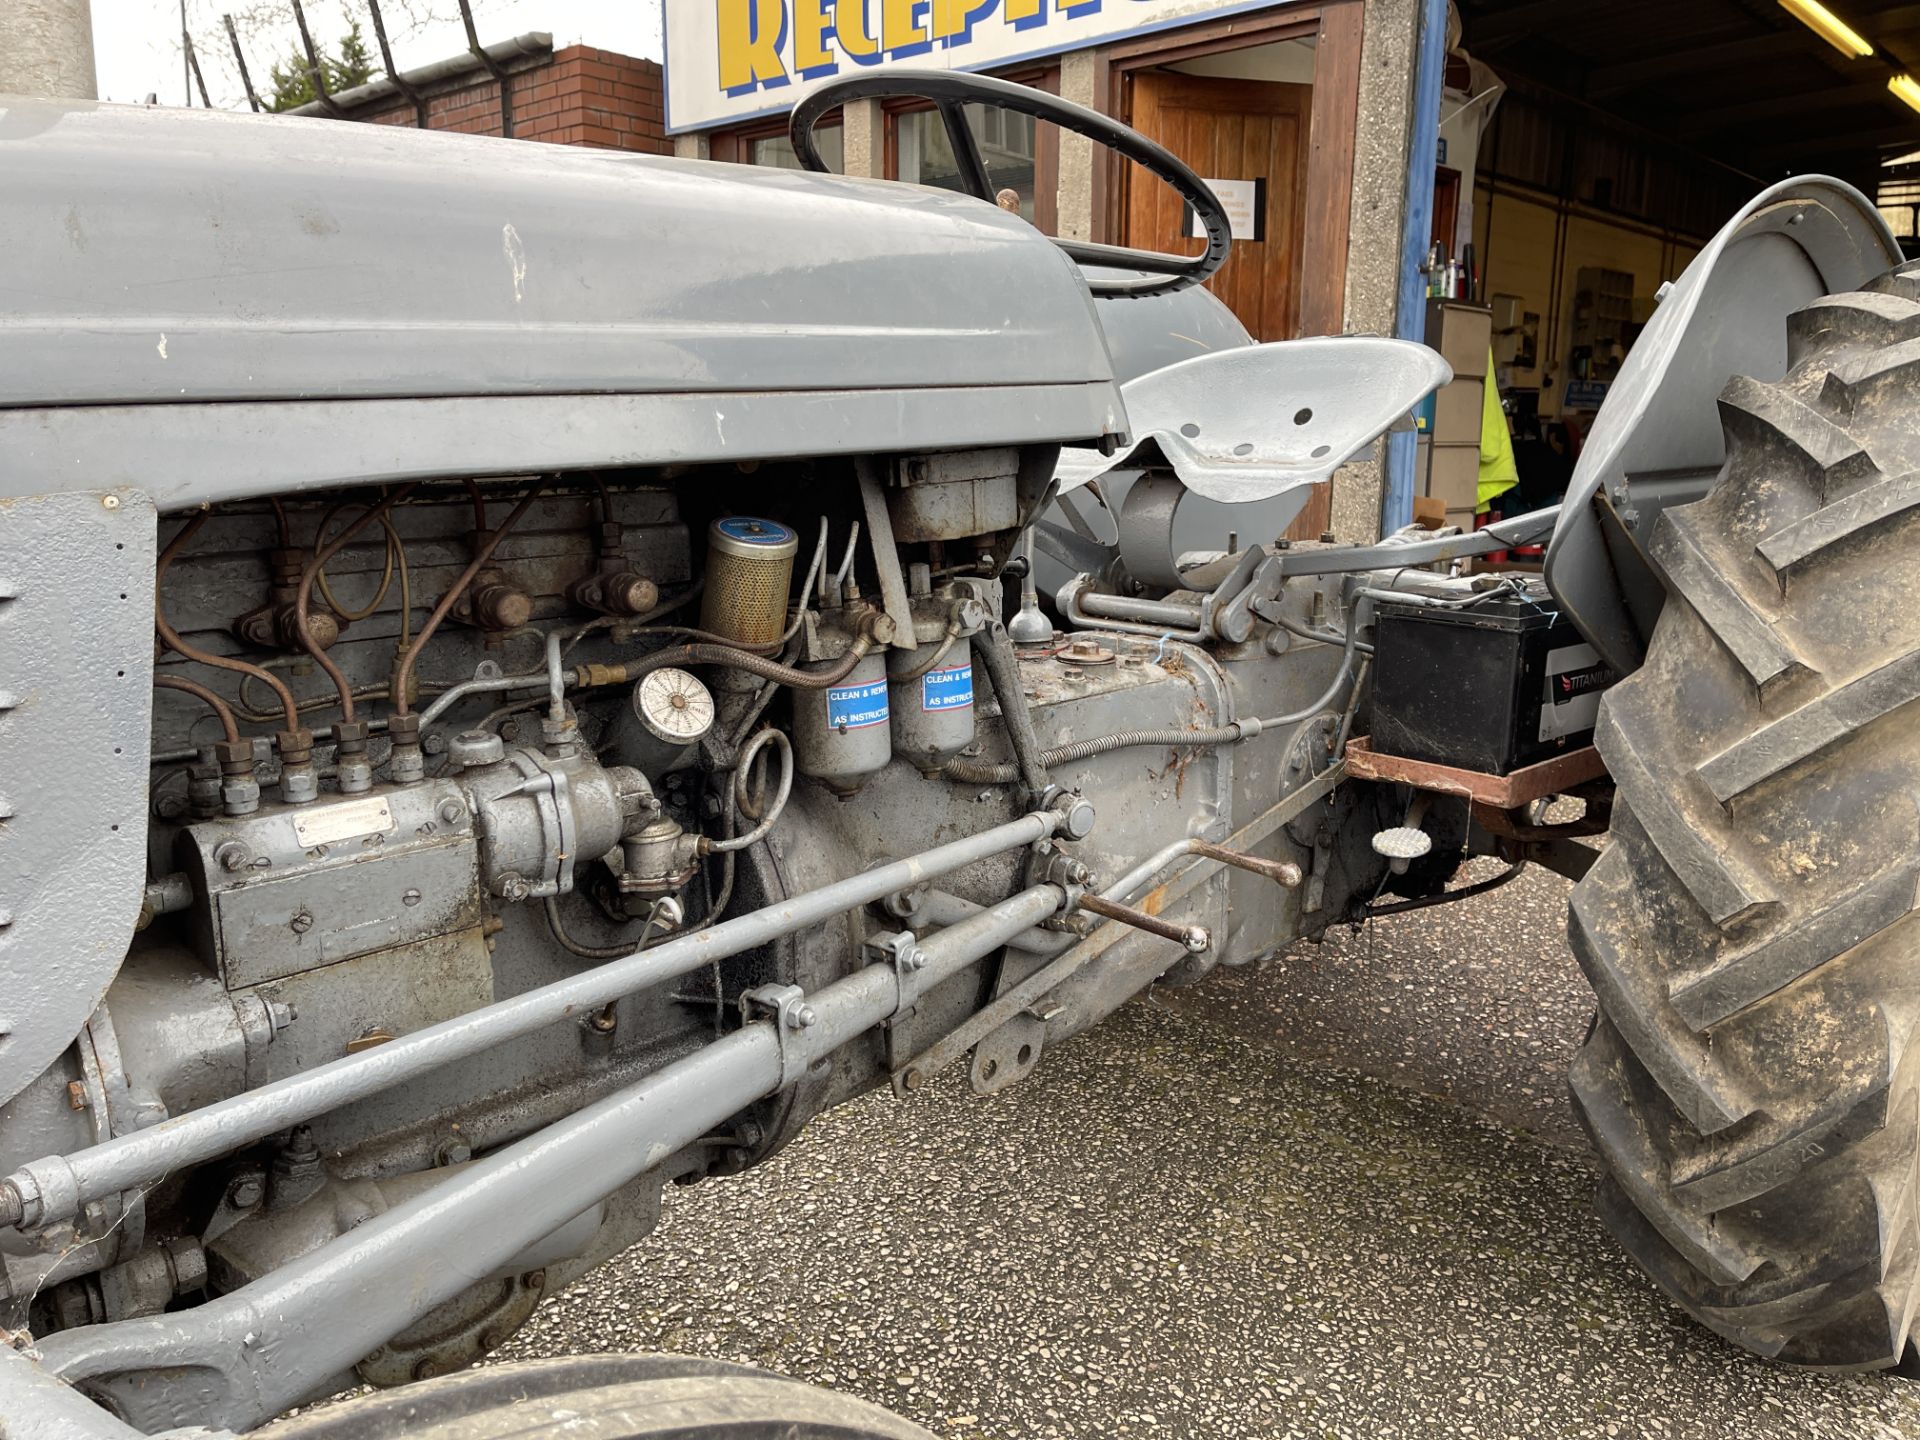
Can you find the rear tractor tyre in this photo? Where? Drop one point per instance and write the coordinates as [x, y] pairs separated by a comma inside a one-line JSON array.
[[1752, 1082]]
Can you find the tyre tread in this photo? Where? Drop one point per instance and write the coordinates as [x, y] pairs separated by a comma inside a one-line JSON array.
[[1753, 1082], [1748, 636]]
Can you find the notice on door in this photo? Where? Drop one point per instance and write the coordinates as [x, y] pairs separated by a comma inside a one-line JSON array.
[[1246, 206]]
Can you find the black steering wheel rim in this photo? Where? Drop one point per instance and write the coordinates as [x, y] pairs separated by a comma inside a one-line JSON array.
[[951, 92]]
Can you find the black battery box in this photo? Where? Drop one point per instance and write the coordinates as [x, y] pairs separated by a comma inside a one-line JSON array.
[[1492, 686]]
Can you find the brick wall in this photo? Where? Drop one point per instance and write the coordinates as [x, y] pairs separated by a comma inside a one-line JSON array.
[[575, 96]]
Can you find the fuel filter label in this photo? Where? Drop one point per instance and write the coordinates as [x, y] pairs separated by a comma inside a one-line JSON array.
[[856, 707], [948, 689]]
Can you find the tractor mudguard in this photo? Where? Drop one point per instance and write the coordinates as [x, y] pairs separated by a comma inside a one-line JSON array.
[[1657, 441]]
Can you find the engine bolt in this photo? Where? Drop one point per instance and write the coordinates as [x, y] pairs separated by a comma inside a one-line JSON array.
[[425, 1370], [245, 1192], [803, 1018], [451, 810], [454, 1150], [412, 897], [109, 502], [233, 855], [301, 923]]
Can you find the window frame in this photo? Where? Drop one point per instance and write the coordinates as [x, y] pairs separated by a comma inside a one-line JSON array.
[[1046, 150], [735, 145]]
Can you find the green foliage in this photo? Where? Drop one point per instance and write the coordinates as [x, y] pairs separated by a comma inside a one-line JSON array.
[[289, 84]]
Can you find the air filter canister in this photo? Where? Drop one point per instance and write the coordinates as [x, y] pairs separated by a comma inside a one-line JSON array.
[[749, 570]]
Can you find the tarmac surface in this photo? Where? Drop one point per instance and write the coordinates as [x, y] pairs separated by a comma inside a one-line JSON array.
[[1343, 1195]]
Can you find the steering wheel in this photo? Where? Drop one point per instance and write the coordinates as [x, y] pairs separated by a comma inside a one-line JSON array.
[[951, 93]]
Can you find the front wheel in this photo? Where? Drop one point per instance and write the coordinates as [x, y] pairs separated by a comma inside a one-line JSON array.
[[1750, 1082], [602, 1397]]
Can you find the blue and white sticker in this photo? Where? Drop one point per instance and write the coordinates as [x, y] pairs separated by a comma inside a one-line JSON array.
[[948, 689], [748, 531], [857, 707]]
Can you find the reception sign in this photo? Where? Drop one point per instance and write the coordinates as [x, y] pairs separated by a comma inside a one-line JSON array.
[[733, 60]]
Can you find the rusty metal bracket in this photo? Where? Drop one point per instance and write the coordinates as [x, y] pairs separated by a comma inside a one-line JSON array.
[[1554, 847], [1501, 792], [1518, 824]]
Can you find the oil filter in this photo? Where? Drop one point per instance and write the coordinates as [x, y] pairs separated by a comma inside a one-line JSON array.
[[749, 571]]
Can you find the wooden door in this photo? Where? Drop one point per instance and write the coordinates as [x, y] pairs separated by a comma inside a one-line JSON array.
[[1234, 130], [1229, 130]]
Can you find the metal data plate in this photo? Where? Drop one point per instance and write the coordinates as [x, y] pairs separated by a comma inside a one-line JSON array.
[[346, 821], [1248, 423], [76, 700]]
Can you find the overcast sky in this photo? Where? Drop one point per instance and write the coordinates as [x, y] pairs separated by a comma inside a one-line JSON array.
[[137, 49]]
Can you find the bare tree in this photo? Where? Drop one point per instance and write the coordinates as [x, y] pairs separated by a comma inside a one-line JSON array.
[[265, 32]]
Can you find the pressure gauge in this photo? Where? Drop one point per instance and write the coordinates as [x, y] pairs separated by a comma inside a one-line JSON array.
[[673, 706]]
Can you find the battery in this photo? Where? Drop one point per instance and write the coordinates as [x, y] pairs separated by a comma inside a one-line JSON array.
[[1493, 686]]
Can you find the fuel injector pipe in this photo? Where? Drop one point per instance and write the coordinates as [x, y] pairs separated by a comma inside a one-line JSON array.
[[56, 1188], [171, 637], [303, 598], [403, 671], [229, 727], [406, 761]]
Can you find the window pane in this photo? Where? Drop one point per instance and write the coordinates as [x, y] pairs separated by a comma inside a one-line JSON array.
[[1899, 201], [777, 150], [1006, 142]]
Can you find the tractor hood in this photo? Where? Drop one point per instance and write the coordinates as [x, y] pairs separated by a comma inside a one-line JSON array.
[[165, 254], [166, 257]]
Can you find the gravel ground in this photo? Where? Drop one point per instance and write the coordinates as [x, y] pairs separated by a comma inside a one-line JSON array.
[[1337, 1197], [1479, 1003]]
